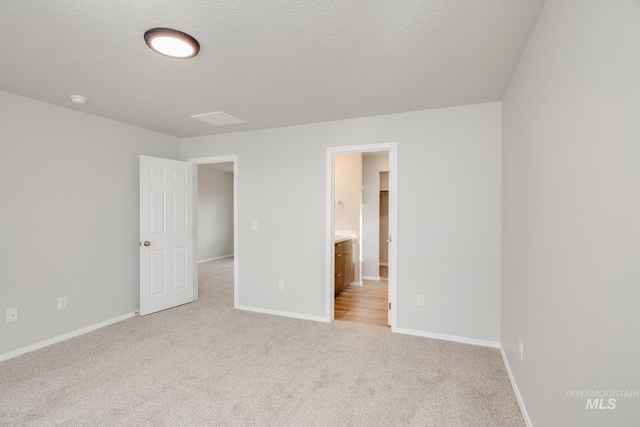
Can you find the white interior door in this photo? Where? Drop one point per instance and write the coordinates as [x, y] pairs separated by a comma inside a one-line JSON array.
[[166, 234]]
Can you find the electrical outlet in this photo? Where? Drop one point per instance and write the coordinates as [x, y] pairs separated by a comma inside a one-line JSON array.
[[521, 347], [281, 285], [420, 300], [12, 315], [62, 303], [254, 225]]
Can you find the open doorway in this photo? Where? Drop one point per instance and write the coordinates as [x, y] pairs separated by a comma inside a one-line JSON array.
[[215, 243], [215, 212], [353, 234], [361, 293]]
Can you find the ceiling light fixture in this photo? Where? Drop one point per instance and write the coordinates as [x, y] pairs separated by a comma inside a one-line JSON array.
[[173, 43]]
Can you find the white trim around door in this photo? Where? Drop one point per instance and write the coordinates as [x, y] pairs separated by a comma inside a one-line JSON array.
[[207, 160], [392, 148]]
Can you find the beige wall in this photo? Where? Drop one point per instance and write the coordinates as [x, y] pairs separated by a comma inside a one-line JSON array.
[[372, 164], [347, 187]]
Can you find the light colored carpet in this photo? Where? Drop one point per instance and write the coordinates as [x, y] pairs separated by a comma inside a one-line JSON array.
[[207, 364]]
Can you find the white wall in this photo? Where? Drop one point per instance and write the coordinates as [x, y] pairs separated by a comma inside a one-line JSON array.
[[348, 190], [69, 218], [448, 213], [372, 164], [571, 209], [215, 213]]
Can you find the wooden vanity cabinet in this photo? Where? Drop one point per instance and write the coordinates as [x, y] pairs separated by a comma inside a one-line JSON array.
[[343, 265]]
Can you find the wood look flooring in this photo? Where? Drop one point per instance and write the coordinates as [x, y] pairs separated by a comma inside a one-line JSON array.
[[384, 272], [364, 304]]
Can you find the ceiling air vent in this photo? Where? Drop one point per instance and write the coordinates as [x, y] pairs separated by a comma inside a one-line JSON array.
[[217, 118]]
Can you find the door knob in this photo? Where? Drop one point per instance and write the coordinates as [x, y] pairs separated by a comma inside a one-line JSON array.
[[147, 243]]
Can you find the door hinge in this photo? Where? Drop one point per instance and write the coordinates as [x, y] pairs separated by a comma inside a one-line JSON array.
[[389, 306]]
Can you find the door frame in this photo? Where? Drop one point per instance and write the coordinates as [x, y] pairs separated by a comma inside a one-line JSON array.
[[392, 148], [203, 161]]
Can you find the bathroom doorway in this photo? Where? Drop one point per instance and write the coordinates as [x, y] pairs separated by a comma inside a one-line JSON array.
[[364, 204]]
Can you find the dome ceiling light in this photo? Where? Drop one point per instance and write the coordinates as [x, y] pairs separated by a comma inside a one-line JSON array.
[[173, 43]]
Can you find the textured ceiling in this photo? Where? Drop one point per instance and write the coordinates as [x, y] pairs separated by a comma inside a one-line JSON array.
[[268, 62]]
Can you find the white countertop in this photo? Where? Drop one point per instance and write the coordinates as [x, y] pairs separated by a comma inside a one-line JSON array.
[[341, 238]]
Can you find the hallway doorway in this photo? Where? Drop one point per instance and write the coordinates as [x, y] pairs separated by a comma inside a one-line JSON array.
[[216, 230]]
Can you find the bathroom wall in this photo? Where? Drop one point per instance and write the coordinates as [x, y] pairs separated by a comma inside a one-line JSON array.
[[348, 201], [372, 164]]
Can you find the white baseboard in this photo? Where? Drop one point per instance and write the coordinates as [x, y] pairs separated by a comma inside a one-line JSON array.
[[372, 278], [355, 284], [282, 313], [215, 259], [454, 338], [65, 337], [523, 409]]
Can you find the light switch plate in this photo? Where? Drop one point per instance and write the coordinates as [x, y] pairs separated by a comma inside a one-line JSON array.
[[521, 348]]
